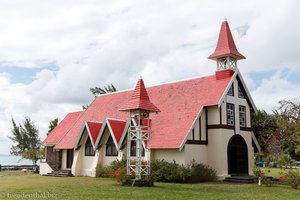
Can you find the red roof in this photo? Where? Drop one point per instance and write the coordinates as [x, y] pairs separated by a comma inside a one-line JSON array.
[[140, 99], [226, 45], [64, 126], [94, 128], [179, 102], [117, 127]]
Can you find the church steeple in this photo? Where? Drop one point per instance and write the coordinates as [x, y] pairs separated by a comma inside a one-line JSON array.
[[226, 53]]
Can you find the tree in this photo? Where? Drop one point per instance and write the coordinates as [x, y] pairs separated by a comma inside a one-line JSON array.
[[288, 121], [263, 125], [107, 89], [99, 91], [52, 125], [26, 140]]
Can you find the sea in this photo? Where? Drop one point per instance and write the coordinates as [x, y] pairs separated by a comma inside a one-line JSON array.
[[13, 160]]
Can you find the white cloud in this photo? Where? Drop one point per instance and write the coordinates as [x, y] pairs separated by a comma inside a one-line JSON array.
[[93, 43], [274, 89]]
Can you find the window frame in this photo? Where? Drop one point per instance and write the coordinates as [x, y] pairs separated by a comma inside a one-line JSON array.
[[133, 149], [88, 148], [233, 114], [243, 112], [110, 147], [231, 91], [240, 93]]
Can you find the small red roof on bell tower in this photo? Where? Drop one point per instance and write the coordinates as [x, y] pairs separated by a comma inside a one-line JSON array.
[[140, 99], [226, 46]]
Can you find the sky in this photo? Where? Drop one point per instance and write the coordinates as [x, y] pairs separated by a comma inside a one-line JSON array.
[[53, 51]]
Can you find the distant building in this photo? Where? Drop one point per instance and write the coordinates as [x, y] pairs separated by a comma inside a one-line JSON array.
[[206, 119]]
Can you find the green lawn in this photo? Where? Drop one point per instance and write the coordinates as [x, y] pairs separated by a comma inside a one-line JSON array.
[[276, 172], [99, 188]]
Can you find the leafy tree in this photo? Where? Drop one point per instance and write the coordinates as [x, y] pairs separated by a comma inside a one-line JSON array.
[[26, 140], [288, 120], [52, 125], [264, 126], [99, 91], [107, 89]]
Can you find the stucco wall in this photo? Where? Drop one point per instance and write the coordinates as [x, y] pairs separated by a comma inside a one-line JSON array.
[[195, 152], [169, 155], [64, 159]]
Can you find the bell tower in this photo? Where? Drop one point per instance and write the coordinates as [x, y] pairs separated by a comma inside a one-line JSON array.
[[226, 53], [139, 133]]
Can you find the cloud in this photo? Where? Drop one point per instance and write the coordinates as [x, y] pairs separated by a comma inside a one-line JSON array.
[[273, 89]]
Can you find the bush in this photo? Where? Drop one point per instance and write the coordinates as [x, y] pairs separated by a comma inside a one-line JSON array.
[[108, 171], [164, 171], [103, 171]]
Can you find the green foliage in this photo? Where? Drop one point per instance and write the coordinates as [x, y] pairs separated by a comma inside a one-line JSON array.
[[108, 171], [99, 91], [26, 140], [164, 171], [257, 171], [293, 178], [161, 171], [285, 161], [52, 125]]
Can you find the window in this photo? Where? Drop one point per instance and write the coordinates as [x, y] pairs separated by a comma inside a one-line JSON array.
[[230, 114], [231, 90], [89, 150], [133, 149], [111, 149], [241, 94], [242, 111]]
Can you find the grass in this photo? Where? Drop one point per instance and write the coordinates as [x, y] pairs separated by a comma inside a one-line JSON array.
[[101, 188], [275, 172]]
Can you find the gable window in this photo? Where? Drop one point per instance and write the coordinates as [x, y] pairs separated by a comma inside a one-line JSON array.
[[241, 94], [230, 114], [89, 150], [111, 149], [133, 149], [231, 90], [242, 111]]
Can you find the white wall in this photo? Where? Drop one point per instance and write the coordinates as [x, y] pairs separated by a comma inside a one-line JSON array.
[[195, 152], [45, 168], [64, 159], [169, 155]]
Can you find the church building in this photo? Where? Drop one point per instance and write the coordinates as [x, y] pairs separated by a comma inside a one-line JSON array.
[[205, 119]]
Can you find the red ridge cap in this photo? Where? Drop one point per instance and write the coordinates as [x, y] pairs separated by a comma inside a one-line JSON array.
[[225, 45]]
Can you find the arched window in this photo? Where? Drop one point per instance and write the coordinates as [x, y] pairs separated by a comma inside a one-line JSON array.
[[89, 150], [111, 149], [133, 149]]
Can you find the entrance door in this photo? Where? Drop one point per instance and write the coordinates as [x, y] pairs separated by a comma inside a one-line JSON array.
[[69, 158], [237, 154]]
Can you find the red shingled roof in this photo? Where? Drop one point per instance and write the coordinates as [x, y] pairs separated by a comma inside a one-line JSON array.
[[94, 128], [179, 103], [140, 99], [64, 126], [117, 127], [226, 45]]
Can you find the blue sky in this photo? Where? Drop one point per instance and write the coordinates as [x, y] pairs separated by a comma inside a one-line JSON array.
[[52, 52]]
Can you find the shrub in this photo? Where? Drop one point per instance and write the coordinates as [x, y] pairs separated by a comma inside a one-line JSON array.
[[164, 171], [108, 171], [293, 178], [200, 173], [103, 171]]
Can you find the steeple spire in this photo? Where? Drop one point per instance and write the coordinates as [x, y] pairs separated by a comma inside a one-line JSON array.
[[226, 53], [140, 99]]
